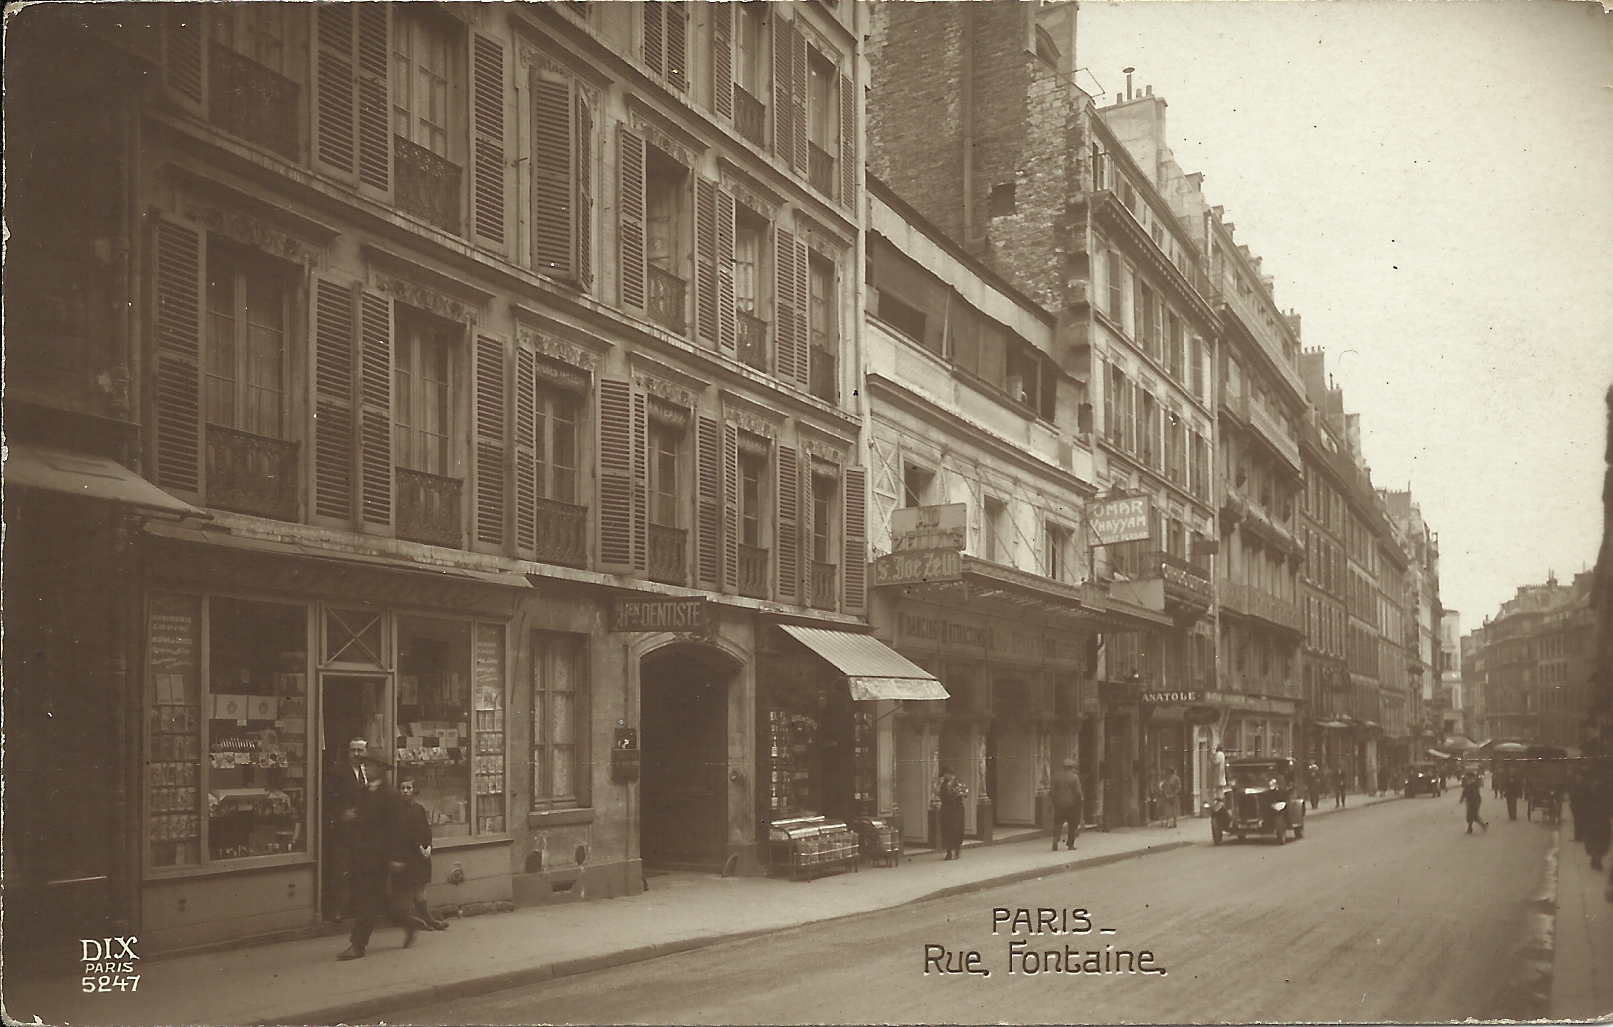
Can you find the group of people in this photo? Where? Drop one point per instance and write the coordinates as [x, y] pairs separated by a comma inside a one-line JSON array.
[[384, 838], [1318, 780]]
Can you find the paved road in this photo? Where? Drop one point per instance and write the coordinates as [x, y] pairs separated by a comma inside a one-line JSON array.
[[1380, 914]]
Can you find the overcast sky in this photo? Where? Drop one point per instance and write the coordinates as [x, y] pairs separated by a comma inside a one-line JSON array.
[[1431, 186]]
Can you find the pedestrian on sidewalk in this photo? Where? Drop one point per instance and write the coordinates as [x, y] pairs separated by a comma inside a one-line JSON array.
[[1340, 781], [1313, 783], [1512, 790], [374, 846], [1171, 790], [1069, 805], [413, 849], [1473, 795], [950, 792], [1598, 807], [347, 783]]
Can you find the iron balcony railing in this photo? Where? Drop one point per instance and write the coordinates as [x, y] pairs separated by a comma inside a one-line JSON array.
[[667, 547], [752, 338], [427, 185], [664, 300], [252, 474], [1182, 577], [750, 116], [428, 507], [562, 533], [820, 169], [248, 100]]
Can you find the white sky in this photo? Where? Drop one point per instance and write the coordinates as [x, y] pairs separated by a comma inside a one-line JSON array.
[[1431, 186]]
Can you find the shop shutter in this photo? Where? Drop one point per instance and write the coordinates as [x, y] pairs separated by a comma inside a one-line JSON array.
[[630, 178], [783, 124], [798, 96], [181, 259], [677, 44], [641, 483], [705, 245], [184, 58], [726, 325], [335, 120], [490, 474], [708, 542], [730, 498], [784, 316], [374, 96], [722, 59], [615, 475], [848, 144], [526, 454], [803, 300], [375, 394], [552, 165], [654, 36], [854, 498], [490, 186], [333, 399], [789, 538], [583, 215]]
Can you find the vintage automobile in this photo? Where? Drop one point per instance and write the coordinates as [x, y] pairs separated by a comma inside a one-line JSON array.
[[1423, 779], [1261, 799]]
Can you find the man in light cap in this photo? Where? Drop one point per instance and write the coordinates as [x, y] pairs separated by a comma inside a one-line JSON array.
[[1068, 803]]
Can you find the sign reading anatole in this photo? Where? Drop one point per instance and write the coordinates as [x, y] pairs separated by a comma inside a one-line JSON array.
[[1119, 520], [659, 614]]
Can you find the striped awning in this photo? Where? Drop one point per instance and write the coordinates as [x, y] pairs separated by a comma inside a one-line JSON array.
[[873, 669]]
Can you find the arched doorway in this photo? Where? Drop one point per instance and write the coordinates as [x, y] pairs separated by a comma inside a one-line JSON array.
[[683, 727]]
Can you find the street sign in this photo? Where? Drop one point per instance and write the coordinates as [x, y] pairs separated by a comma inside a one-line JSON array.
[[659, 615], [929, 527], [1119, 520], [919, 566]]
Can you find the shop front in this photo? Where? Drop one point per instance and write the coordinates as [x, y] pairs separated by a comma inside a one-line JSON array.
[[1256, 725]]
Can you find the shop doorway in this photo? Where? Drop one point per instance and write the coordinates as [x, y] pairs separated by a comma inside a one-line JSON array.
[[1117, 768], [351, 706], [1013, 737], [683, 726]]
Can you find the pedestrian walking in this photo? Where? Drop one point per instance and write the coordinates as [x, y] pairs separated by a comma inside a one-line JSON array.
[[374, 846], [412, 848], [950, 793], [1171, 790], [1598, 807], [1576, 798], [1473, 795], [1069, 804], [347, 784], [1340, 780], [1512, 790], [1313, 783]]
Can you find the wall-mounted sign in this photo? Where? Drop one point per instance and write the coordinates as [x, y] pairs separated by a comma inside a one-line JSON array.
[[659, 615], [929, 527], [919, 566], [1201, 715], [1119, 520], [1171, 697]]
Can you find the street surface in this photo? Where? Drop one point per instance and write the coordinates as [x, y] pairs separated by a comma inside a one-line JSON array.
[[1389, 913]]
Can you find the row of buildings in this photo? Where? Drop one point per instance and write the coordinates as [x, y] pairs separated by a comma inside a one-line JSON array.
[[645, 423]]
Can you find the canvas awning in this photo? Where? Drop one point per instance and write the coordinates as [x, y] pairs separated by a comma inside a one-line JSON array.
[[1439, 755], [90, 476], [873, 670]]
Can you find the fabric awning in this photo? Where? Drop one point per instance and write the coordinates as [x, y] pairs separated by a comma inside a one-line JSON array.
[[873, 670], [1439, 755], [1332, 724], [90, 476]]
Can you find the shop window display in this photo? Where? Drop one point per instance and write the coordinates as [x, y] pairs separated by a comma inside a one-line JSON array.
[[434, 718], [489, 715], [173, 761]]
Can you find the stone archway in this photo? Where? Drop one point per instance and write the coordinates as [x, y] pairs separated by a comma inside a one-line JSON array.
[[684, 742]]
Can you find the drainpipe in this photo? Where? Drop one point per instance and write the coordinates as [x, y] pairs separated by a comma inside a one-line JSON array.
[[968, 113]]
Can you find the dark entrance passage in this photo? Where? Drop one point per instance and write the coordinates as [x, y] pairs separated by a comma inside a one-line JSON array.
[[352, 707], [683, 718]]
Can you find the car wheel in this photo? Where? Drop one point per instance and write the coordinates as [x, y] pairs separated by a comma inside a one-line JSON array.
[[1215, 831], [1282, 830], [1299, 832]]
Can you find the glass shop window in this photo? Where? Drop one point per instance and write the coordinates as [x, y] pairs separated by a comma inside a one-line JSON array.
[[434, 718]]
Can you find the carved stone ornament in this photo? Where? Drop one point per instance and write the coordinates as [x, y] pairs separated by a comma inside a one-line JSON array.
[[556, 349], [427, 299], [252, 233], [653, 135], [747, 197], [676, 395], [818, 41], [747, 421], [819, 242], [540, 59], [823, 451]]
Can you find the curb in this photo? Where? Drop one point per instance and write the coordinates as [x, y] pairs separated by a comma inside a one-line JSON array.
[[1529, 992]]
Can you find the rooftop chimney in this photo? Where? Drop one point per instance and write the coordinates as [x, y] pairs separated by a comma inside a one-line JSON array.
[[1128, 72]]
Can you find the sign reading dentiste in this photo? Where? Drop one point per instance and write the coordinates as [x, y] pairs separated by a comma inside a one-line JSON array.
[[1119, 520], [659, 615]]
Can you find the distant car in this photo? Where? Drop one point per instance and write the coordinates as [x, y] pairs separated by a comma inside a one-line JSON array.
[[1262, 799], [1423, 779]]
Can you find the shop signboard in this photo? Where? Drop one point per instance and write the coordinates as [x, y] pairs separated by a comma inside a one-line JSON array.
[[929, 527], [681, 614], [1119, 520], [1166, 697], [917, 566]]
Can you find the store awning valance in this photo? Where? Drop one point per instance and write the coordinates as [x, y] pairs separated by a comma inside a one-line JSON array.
[[873, 670], [90, 476]]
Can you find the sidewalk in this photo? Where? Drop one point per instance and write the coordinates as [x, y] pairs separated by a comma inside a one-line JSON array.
[[299, 982], [1582, 954]]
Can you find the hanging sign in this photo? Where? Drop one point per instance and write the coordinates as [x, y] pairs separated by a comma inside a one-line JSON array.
[[917, 566], [1119, 520], [929, 527]]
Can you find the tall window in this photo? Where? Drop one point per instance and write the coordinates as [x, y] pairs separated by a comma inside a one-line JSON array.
[[1177, 354], [664, 442], [823, 494], [993, 543], [663, 188], [823, 315], [916, 485], [1116, 285], [257, 31], [422, 397], [555, 443], [246, 345], [420, 82], [559, 676], [1056, 543], [748, 234], [750, 69], [752, 469]]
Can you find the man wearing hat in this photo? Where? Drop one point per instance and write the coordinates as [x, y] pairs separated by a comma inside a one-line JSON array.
[[1068, 803]]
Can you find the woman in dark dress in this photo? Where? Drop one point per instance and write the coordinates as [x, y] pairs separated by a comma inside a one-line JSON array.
[[413, 840], [951, 792]]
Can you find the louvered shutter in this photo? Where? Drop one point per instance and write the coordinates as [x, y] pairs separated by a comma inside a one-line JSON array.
[[798, 97], [726, 325], [630, 178], [184, 57], [808, 542], [848, 144], [677, 45], [641, 483], [854, 498], [374, 95], [490, 405], [375, 396], [784, 316], [489, 190], [1115, 284], [181, 262], [709, 542], [335, 97], [705, 246], [526, 446], [615, 475], [654, 36], [583, 215], [722, 59], [730, 502], [552, 164], [783, 123], [333, 399], [789, 532], [803, 300]]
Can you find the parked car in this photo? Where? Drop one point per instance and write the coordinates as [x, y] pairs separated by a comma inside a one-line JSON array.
[[1262, 799], [1423, 779]]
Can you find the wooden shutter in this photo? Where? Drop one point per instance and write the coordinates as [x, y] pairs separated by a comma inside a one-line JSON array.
[[677, 44], [783, 123], [641, 483], [726, 325], [630, 178], [552, 164], [583, 215], [184, 55], [808, 553], [708, 541], [1115, 284], [784, 315], [333, 399], [489, 184], [730, 503], [654, 36], [375, 395], [722, 59], [854, 502], [374, 95], [615, 474], [181, 262], [789, 538], [798, 96], [526, 446], [335, 98], [803, 335], [705, 247], [848, 144], [490, 378]]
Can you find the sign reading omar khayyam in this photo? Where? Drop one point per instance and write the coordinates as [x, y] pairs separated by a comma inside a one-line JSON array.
[[1119, 520]]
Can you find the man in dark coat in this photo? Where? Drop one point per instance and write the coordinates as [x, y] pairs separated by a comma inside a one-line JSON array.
[[374, 846], [1472, 796], [413, 842], [1069, 804], [347, 782], [1513, 788]]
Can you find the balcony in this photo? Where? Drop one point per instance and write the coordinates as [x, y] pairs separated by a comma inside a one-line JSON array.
[[1185, 581], [1251, 602], [251, 474], [752, 337], [750, 116], [1274, 435], [820, 170], [821, 594], [562, 533], [248, 100], [428, 508], [821, 382], [663, 300], [427, 185], [753, 571], [667, 546]]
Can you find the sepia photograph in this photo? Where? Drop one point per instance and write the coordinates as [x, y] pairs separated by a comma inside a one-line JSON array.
[[807, 512]]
